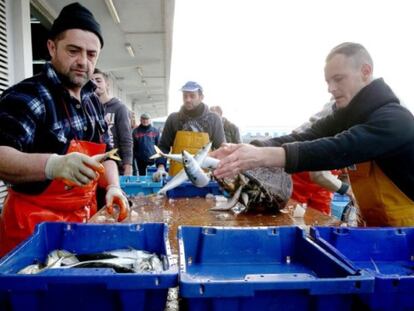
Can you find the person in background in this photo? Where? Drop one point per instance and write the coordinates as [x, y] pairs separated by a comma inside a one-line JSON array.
[[132, 119], [53, 135], [144, 136], [370, 133], [231, 131], [118, 118], [189, 129]]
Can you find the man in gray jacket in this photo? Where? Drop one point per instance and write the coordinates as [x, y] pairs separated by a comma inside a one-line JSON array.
[[117, 117], [189, 129]]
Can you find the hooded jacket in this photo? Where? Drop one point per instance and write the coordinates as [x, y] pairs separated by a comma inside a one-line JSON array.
[[373, 127], [117, 118]]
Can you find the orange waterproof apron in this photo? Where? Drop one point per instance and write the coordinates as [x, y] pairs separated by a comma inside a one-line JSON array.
[[381, 202], [189, 141], [22, 212], [306, 191]]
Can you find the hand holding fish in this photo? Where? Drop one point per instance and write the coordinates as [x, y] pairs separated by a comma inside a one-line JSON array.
[[114, 195], [159, 174], [236, 158], [73, 168], [110, 155]]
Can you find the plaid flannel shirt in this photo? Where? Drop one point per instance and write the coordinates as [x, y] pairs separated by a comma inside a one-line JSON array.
[[33, 117]]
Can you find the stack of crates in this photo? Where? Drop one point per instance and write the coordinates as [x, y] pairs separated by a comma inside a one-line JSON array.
[[139, 185], [264, 268], [89, 288], [386, 253]]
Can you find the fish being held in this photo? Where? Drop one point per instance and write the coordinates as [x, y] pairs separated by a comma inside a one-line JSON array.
[[111, 154], [201, 158], [205, 162], [265, 189], [193, 170]]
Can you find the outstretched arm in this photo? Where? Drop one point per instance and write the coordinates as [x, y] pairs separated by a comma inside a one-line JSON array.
[[236, 158]]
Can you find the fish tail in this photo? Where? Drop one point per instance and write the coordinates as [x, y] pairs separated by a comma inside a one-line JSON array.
[[158, 153]]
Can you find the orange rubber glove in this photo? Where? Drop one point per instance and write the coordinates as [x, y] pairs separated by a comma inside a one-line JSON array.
[[114, 195]]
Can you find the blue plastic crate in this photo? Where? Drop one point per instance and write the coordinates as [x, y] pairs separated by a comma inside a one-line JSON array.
[[134, 185], [151, 170], [338, 204], [264, 268], [387, 253], [187, 189], [86, 289]]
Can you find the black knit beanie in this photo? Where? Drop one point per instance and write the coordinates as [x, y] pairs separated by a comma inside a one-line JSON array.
[[75, 16]]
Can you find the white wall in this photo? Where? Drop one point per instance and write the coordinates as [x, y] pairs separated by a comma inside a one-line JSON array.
[[19, 40]]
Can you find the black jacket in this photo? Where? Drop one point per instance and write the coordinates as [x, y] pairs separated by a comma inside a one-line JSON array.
[[374, 126], [144, 137]]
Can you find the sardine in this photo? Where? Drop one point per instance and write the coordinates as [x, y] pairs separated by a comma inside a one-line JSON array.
[[177, 180], [129, 253], [121, 260], [210, 163], [230, 204], [176, 157], [30, 269], [110, 265], [111, 154], [203, 159], [193, 170], [140, 262], [60, 257], [182, 177]]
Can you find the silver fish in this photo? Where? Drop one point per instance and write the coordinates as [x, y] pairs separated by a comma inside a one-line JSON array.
[[193, 170], [158, 153], [130, 253], [30, 269], [182, 177], [121, 260], [210, 163], [60, 257], [230, 203], [177, 180], [206, 162], [133, 260]]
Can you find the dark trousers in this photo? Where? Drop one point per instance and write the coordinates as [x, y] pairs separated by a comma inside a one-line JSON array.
[[142, 166]]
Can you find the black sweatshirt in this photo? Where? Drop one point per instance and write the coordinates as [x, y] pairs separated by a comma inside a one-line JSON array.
[[374, 126]]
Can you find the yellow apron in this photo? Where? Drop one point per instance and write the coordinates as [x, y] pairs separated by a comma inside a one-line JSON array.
[[189, 141], [381, 202]]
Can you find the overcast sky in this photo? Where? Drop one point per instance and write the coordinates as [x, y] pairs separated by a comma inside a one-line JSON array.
[[262, 60]]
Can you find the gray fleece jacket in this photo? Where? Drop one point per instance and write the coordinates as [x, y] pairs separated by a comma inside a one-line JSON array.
[[120, 132]]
